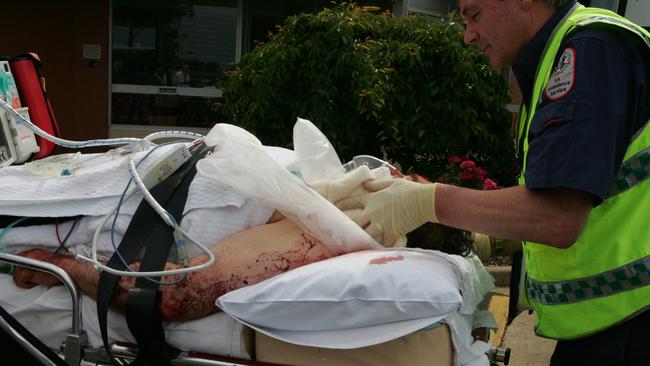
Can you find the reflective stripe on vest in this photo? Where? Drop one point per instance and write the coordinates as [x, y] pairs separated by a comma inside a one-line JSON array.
[[604, 277], [632, 172], [613, 21], [625, 278]]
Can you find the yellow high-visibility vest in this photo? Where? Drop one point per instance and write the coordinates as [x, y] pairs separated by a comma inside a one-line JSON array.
[[604, 278]]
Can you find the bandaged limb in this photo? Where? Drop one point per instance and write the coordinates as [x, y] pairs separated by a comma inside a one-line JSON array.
[[243, 259], [391, 208]]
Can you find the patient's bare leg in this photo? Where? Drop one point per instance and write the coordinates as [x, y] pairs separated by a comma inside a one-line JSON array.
[[245, 258]]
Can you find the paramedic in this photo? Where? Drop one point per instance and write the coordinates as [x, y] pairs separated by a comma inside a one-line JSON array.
[[583, 203]]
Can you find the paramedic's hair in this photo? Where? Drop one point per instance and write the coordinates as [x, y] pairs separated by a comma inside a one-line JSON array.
[[556, 3]]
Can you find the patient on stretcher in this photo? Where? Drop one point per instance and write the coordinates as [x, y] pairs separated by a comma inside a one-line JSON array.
[[249, 239], [243, 259], [251, 243]]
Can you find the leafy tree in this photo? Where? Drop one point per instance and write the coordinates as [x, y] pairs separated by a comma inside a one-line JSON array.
[[404, 89]]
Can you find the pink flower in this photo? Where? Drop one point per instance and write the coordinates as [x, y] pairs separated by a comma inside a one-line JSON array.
[[455, 159], [488, 184], [481, 172], [467, 164], [467, 175]]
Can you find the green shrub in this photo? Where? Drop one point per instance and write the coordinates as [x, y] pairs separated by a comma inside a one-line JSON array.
[[399, 88]]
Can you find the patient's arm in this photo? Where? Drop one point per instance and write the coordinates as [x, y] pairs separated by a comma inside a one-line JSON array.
[[242, 259]]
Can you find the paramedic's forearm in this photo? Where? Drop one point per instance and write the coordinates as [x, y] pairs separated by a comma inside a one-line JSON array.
[[553, 216]]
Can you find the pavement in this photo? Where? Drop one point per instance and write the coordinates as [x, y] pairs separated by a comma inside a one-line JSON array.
[[526, 348]]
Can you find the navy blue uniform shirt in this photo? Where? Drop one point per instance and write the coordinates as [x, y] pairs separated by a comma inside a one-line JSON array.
[[590, 110]]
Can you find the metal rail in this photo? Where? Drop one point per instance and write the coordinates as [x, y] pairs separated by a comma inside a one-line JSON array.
[[59, 273], [76, 340]]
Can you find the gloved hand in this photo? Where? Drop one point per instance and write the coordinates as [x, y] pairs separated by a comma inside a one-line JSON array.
[[348, 184], [355, 213], [392, 208]]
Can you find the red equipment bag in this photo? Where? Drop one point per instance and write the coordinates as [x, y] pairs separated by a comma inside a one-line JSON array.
[[31, 88]]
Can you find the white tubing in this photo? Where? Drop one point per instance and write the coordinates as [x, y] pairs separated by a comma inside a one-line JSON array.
[[64, 142], [168, 220], [150, 199], [173, 134]]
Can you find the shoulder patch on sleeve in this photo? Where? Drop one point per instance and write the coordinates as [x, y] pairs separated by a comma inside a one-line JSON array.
[[563, 76]]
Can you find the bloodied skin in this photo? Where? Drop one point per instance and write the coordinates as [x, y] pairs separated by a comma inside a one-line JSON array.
[[243, 259]]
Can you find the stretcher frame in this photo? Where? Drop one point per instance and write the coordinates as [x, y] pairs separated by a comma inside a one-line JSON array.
[[75, 350]]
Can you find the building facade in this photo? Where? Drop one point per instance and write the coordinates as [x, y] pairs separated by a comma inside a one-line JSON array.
[[132, 67]]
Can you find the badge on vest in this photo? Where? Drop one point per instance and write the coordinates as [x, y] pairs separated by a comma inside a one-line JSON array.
[[563, 76]]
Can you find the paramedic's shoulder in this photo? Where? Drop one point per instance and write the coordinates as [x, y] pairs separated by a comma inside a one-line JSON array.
[[595, 100]]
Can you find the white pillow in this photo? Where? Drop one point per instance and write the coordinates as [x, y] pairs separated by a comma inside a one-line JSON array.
[[355, 290]]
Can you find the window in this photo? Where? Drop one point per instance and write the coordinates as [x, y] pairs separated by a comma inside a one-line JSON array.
[[168, 57]]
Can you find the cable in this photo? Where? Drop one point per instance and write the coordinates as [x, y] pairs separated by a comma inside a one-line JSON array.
[[195, 144], [179, 233], [63, 142], [8, 267], [98, 142], [173, 134], [58, 238], [117, 212], [167, 218]]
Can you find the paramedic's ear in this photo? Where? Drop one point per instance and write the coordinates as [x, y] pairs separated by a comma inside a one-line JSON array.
[[393, 208], [344, 186]]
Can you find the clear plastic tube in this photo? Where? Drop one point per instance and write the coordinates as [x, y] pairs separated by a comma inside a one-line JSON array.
[[63, 142]]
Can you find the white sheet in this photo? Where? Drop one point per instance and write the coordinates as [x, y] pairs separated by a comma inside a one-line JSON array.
[[46, 313], [207, 225], [212, 211], [96, 191], [86, 192]]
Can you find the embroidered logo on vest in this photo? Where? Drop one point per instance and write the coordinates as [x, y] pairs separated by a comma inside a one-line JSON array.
[[563, 76]]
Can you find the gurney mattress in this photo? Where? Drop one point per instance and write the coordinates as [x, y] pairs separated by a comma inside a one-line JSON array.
[[46, 312]]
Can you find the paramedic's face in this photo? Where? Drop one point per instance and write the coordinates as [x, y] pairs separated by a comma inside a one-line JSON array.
[[496, 27]]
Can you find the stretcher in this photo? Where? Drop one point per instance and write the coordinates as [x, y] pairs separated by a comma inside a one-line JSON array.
[[254, 347], [80, 344]]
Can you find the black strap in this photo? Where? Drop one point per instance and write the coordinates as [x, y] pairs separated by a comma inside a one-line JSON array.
[[145, 323], [143, 301], [138, 231], [14, 349], [513, 302]]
